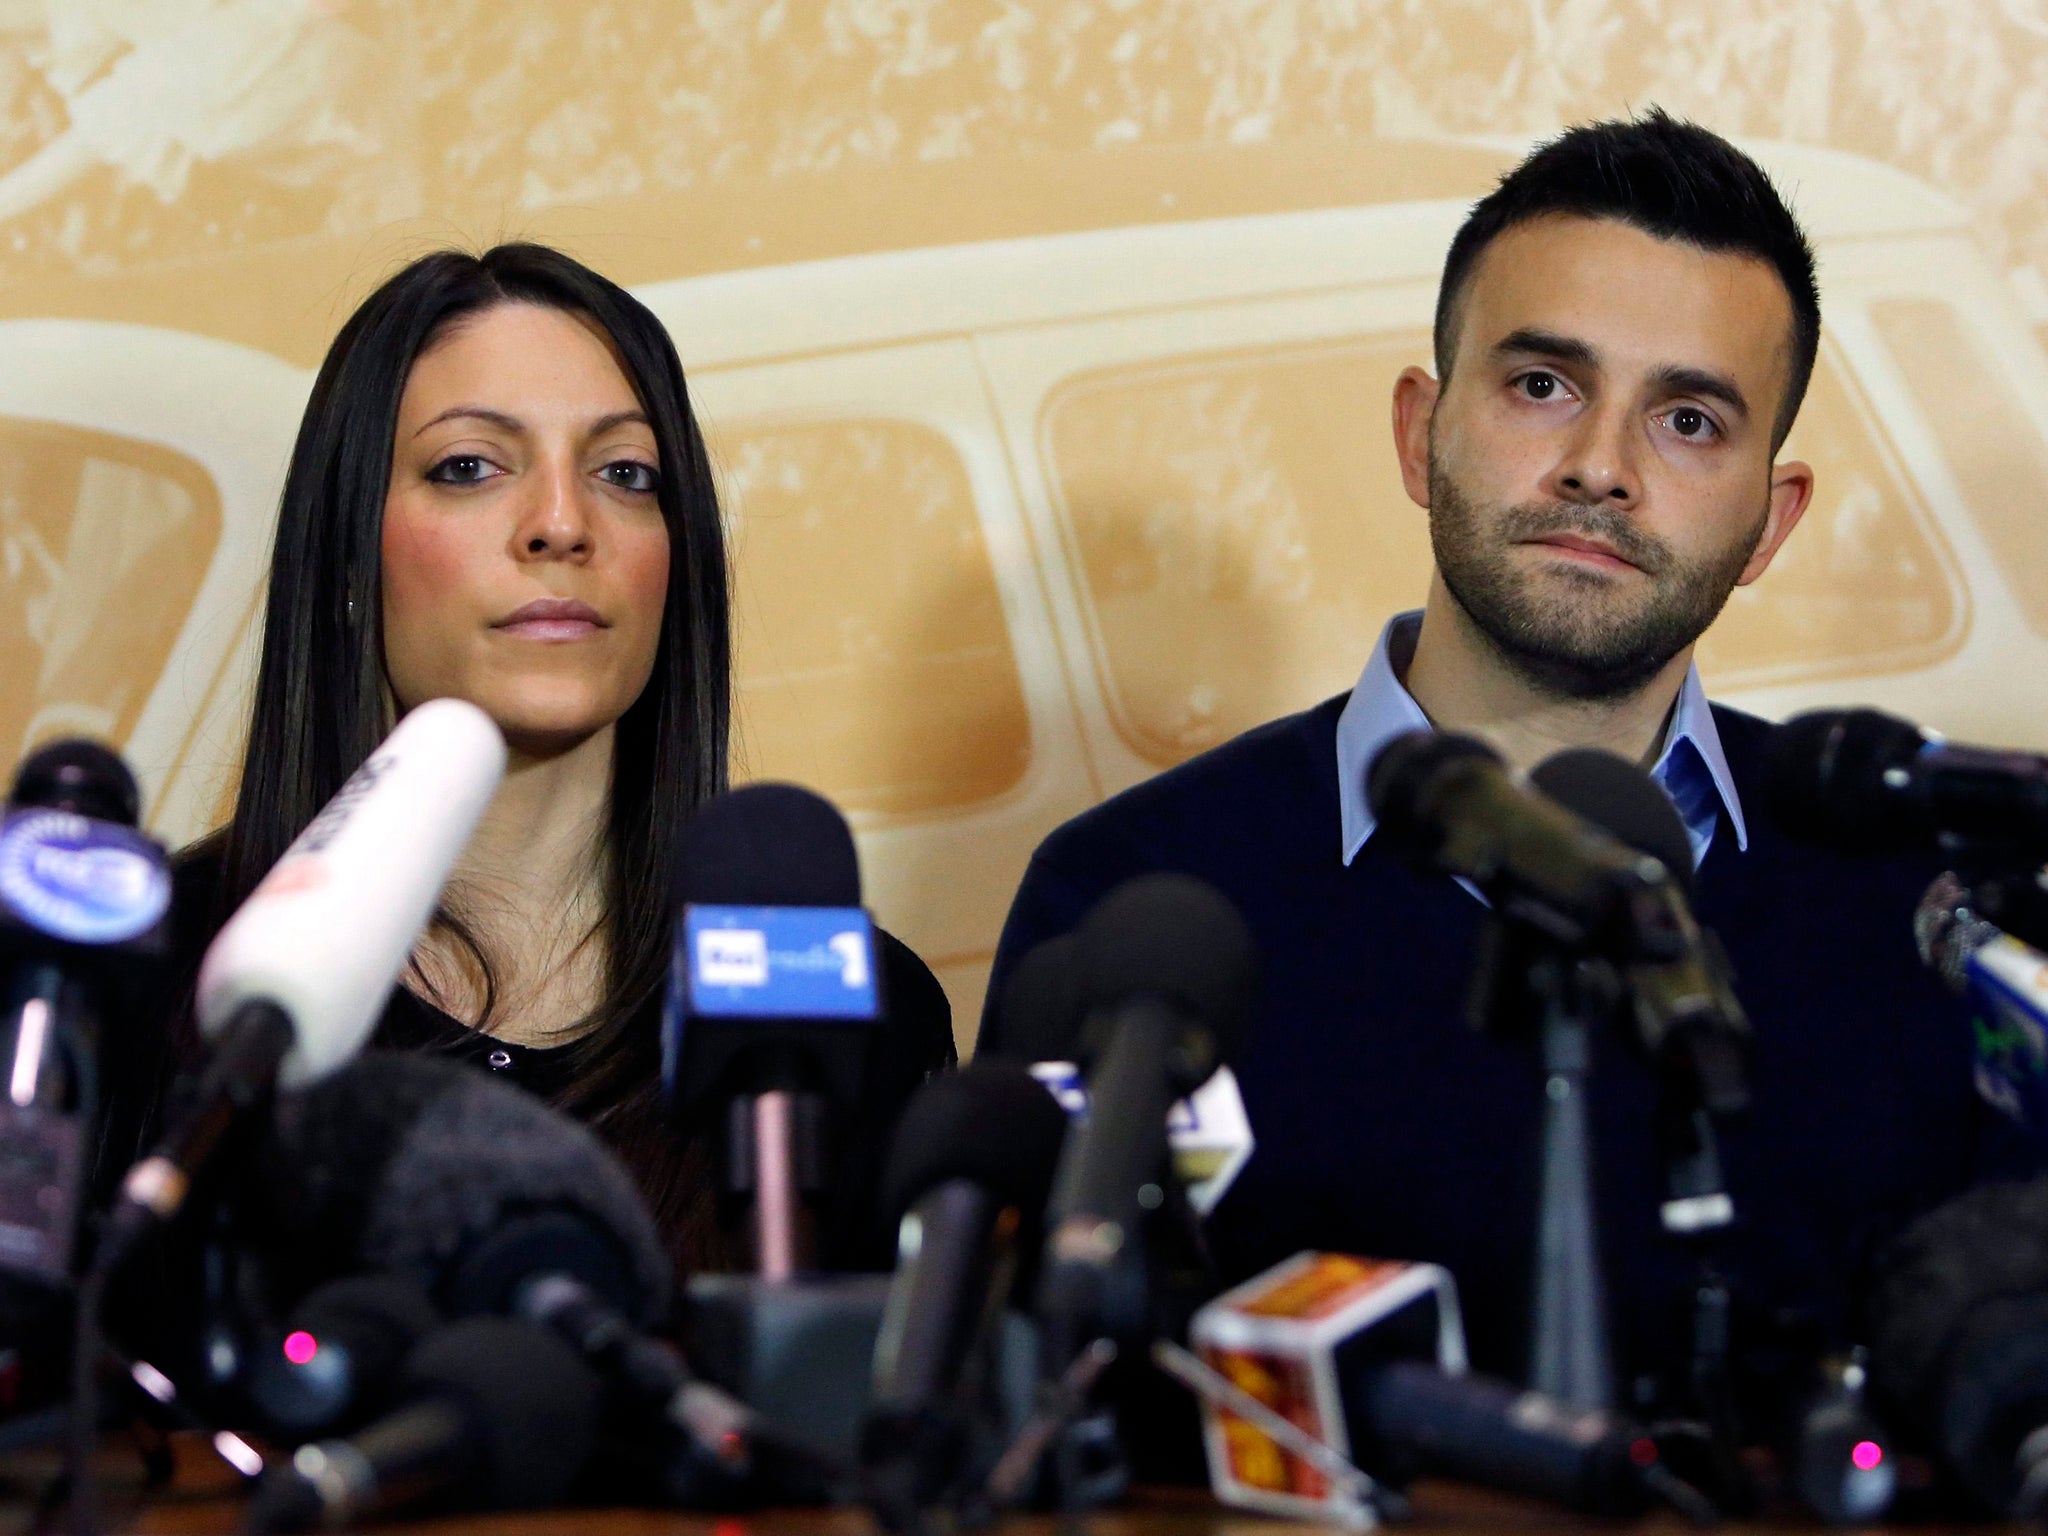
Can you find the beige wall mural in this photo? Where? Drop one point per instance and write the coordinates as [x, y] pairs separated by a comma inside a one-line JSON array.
[[1045, 348]]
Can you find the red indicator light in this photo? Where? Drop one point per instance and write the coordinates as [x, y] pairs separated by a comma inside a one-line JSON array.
[[1868, 1455], [1643, 1452], [301, 1347]]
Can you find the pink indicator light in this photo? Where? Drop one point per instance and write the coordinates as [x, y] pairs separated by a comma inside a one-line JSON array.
[[1868, 1455], [301, 1347]]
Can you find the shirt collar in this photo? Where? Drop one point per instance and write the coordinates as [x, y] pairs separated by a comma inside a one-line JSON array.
[[1692, 768]]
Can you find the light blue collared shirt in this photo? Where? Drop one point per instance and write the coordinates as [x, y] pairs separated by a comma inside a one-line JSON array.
[[1692, 767]]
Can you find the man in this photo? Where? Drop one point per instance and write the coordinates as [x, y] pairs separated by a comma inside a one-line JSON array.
[[1624, 331]]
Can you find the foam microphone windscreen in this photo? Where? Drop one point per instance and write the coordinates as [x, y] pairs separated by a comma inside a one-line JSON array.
[[1959, 1340], [1039, 1016], [1620, 799], [991, 1123], [1824, 775], [768, 845], [432, 1168], [1174, 937], [1403, 778], [79, 776]]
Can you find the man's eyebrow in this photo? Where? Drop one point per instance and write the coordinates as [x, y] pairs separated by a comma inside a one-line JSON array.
[[1530, 342], [1676, 379]]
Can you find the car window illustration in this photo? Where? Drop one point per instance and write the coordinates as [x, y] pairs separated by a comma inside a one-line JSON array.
[[872, 658], [104, 542], [1993, 450], [1240, 529], [1862, 585]]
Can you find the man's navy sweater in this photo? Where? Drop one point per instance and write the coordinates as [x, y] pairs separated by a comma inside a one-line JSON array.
[[1386, 1126]]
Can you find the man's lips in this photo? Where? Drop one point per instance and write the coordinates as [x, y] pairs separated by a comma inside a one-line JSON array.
[[1590, 551], [552, 618]]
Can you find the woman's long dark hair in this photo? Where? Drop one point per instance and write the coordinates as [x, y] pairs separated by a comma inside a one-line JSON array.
[[321, 696]]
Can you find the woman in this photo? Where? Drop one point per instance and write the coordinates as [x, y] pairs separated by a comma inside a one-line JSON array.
[[499, 494]]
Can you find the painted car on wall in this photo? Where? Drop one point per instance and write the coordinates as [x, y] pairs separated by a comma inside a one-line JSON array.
[[1018, 522]]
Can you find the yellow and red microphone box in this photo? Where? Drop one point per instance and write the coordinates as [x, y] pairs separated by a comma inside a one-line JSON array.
[[1291, 1338]]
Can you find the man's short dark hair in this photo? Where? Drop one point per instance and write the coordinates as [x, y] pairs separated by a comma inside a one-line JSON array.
[[1672, 179]]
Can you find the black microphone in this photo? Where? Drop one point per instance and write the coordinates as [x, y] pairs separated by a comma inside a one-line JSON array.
[[1448, 802], [1959, 1348], [773, 991], [339, 1355], [1166, 971], [432, 1169], [968, 1177], [499, 1412], [495, 1203], [1870, 782], [83, 904]]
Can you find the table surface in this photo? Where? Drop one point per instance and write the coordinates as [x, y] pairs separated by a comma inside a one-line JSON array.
[[206, 1497]]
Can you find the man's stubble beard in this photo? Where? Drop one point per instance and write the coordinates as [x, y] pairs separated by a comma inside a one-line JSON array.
[[1586, 650]]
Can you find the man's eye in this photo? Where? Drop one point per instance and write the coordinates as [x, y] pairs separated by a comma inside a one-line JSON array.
[[1692, 423], [461, 469], [630, 475], [1538, 386]]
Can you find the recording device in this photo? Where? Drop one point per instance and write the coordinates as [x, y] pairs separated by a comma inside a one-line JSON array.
[[1165, 970], [1368, 1356], [2006, 983], [1959, 1350], [83, 904], [296, 980], [339, 1355], [774, 992], [1842, 1463], [1871, 782], [968, 1178], [497, 1412]]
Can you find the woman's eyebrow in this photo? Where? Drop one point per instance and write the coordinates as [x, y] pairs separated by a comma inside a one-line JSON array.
[[604, 424], [477, 413]]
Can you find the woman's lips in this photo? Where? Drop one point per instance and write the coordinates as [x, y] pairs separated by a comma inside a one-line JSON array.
[[552, 619]]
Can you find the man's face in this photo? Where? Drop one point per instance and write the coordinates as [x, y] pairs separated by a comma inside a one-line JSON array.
[[1598, 467]]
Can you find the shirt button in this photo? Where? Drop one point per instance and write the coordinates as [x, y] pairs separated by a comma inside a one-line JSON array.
[[500, 1061]]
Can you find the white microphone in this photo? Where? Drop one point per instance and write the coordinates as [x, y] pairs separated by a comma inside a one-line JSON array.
[[326, 934], [293, 984]]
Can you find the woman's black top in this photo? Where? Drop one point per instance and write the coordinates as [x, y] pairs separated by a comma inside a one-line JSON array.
[[914, 1041]]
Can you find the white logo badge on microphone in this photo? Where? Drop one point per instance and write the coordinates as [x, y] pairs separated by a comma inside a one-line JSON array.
[[732, 957]]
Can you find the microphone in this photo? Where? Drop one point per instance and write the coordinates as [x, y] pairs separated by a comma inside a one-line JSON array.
[[83, 898], [1959, 1347], [1166, 972], [339, 1355], [2006, 981], [1040, 1017], [498, 1412], [490, 1201], [1866, 781], [296, 980], [429, 1169], [1448, 802], [1368, 1357], [773, 993], [968, 1175]]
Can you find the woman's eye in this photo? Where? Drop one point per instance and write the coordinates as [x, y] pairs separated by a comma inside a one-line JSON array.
[[630, 475], [462, 469], [1693, 424]]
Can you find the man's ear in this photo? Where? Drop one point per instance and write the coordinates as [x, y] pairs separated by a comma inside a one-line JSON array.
[[1791, 495], [1415, 395]]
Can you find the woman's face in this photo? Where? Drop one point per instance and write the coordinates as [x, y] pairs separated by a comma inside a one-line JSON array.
[[525, 556]]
